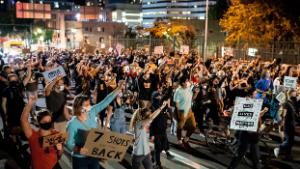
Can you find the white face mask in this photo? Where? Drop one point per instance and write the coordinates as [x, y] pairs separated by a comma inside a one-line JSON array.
[[62, 88], [86, 109]]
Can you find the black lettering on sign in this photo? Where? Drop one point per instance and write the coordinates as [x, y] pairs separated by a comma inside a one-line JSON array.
[[242, 124], [106, 154], [246, 114], [118, 141], [247, 105], [99, 135]]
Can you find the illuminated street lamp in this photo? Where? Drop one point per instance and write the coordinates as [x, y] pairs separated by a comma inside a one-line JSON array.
[[77, 16]]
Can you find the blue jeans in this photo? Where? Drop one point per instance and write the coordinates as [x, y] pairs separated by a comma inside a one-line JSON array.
[[85, 163], [286, 146]]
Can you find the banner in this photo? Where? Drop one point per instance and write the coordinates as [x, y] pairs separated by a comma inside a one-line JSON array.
[[184, 49], [107, 145], [54, 139], [52, 74], [252, 52], [246, 114], [290, 82], [226, 51], [158, 50]]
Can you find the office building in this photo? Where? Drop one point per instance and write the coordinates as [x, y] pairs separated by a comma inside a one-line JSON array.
[[173, 9]]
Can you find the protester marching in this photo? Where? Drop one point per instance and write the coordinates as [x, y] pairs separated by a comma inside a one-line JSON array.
[[89, 97]]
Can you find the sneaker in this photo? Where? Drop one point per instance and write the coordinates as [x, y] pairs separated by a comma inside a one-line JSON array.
[[158, 167], [169, 155], [202, 135], [276, 152]]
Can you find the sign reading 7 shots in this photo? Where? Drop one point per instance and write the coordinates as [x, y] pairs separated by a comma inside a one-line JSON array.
[[246, 114], [107, 145]]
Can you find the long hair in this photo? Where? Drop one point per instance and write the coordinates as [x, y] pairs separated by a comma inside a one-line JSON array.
[[138, 115], [78, 101]]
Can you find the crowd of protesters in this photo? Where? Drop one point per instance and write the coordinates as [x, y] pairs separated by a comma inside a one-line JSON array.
[[183, 89]]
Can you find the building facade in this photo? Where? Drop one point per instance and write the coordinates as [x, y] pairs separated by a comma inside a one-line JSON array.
[[129, 14], [173, 9]]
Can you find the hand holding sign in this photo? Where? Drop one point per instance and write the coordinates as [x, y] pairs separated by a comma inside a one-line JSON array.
[[107, 145]]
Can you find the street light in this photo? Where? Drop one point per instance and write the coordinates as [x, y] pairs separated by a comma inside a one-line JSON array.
[[77, 16], [206, 29]]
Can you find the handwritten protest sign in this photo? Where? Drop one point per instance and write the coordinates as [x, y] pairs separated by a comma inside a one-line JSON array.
[[281, 97], [184, 49], [226, 51], [246, 114], [52, 74], [107, 145], [252, 52], [54, 139], [158, 50], [290, 82]]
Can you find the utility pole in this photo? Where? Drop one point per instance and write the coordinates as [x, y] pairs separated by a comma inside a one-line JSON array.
[[206, 30]]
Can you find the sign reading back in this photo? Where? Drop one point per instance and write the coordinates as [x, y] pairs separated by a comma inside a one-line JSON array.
[[54, 139], [246, 114], [52, 74], [107, 145], [290, 82]]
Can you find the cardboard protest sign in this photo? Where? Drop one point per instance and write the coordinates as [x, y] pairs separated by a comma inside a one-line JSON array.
[[52, 74], [107, 145], [252, 52], [184, 49], [281, 97], [158, 50], [246, 114], [290, 82], [54, 139], [226, 51]]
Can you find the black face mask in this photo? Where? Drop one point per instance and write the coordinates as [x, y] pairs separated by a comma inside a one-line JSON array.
[[46, 126], [294, 99], [13, 83]]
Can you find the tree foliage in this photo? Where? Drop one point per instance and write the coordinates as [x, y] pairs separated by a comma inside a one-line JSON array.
[[176, 30], [256, 22]]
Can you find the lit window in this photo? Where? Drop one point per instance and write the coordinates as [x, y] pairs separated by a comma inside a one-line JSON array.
[[56, 5]]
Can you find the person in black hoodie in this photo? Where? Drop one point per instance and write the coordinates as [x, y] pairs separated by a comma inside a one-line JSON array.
[[159, 126]]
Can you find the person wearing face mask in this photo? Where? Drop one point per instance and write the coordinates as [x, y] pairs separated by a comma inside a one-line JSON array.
[[46, 158], [84, 120], [13, 104], [139, 124], [56, 98], [288, 124], [116, 116]]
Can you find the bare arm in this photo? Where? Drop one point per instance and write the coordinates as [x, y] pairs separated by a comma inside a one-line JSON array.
[[109, 114], [154, 114], [25, 116], [28, 75], [50, 86]]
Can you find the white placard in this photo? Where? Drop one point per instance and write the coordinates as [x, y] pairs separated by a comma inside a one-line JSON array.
[[119, 48], [226, 51], [246, 114], [52, 74], [290, 82], [252, 52], [184, 49], [158, 50], [281, 97]]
